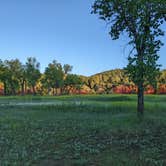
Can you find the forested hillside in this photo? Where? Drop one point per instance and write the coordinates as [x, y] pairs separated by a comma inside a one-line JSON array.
[[20, 79], [117, 81]]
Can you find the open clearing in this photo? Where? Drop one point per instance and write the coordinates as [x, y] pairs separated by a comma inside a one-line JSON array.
[[96, 130]]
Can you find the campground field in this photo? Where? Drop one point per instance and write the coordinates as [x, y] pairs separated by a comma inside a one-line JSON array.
[[88, 130]]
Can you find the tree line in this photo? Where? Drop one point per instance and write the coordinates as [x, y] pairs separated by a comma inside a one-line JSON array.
[[19, 78]]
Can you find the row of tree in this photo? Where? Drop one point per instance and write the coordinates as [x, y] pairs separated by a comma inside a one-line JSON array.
[[17, 77]]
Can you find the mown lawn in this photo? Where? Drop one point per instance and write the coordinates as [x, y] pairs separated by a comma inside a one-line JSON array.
[[97, 130]]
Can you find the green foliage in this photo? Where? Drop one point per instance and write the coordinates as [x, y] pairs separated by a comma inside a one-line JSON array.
[[15, 79], [3, 75], [141, 20], [67, 68], [72, 79], [54, 75], [10, 74], [32, 72]]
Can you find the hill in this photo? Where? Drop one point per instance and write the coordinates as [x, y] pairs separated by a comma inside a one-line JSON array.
[[117, 81]]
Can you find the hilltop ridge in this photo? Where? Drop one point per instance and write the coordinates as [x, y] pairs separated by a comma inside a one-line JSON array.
[[117, 81]]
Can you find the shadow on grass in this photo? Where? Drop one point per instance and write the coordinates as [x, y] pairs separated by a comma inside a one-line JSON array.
[[102, 98]]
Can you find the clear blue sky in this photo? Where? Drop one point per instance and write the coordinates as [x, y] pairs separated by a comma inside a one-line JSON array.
[[63, 30]]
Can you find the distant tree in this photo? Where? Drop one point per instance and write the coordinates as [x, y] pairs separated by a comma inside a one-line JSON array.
[[32, 72], [54, 76], [14, 67], [4, 76], [73, 80], [162, 78], [45, 81], [141, 20], [67, 68], [45, 88]]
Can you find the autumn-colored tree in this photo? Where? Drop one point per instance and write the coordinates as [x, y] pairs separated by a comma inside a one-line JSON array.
[[162, 82]]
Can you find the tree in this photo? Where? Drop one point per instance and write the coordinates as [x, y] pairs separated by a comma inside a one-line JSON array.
[[3, 76], [73, 80], [10, 71], [54, 76], [67, 68], [14, 73], [141, 20], [32, 72]]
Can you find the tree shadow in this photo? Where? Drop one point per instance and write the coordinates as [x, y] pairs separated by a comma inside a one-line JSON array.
[[111, 98]]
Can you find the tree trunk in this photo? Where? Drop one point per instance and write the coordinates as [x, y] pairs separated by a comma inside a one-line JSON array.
[[56, 91], [34, 91], [25, 88], [22, 88], [140, 104], [60, 89], [13, 89], [5, 89], [53, 91]]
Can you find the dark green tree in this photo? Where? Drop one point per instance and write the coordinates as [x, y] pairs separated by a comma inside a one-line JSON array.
[[13, 72], [4, 76], [141, 20], [32, 72], [54, 76], [73, 80], [67, 68]]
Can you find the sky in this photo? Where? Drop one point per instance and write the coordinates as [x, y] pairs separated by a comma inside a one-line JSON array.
[[62, 30]]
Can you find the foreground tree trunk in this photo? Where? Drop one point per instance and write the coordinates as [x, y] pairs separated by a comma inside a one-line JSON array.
[[140, 104]]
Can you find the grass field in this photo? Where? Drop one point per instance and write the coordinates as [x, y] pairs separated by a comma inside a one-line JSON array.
[[98, 130]]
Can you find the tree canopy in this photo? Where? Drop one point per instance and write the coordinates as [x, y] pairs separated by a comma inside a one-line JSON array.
[[141, 20]]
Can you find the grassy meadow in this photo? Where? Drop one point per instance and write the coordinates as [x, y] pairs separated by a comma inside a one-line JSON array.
[[93, 130]]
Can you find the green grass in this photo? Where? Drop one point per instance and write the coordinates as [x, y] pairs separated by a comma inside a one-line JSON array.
[[92, 130]]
